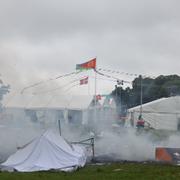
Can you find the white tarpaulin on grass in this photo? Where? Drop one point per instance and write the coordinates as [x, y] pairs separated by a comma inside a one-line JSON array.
[[49, 151]]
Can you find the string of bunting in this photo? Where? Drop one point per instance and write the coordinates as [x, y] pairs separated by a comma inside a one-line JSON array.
[[124, 73], [69, 74], [51, 79], [59, 87], [74, 85], [112, 77], [105, 79]]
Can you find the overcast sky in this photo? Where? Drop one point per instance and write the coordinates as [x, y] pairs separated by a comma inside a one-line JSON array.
[[44, 38]]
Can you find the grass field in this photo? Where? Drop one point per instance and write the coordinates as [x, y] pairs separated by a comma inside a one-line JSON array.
[[105, 172]]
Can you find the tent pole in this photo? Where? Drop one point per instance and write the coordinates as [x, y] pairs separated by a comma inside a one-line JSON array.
[[141, 96], [59, 125], [93, 147]]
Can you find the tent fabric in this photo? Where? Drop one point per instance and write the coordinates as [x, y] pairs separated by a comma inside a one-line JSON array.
[[58, 101], [163, 113], [49, 151]]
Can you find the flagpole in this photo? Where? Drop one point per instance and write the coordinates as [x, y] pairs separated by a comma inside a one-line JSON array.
[[88, 89], [95, 92], [88, 85], [95, 85]]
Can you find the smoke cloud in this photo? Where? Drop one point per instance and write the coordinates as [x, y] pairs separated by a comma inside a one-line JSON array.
[[112, 141]]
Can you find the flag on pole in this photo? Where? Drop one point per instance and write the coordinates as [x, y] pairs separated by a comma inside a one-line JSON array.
[[84, 81], [98, 97], [87, 65]]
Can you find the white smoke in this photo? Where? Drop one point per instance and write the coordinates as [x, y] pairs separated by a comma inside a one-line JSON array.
[[126, 146], [114, 142]]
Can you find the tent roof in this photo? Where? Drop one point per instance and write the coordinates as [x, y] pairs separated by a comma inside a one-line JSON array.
[[48, 101], [55, 101], [169, 105]]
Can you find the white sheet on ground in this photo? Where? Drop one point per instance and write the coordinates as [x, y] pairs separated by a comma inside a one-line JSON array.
[[49, 151]]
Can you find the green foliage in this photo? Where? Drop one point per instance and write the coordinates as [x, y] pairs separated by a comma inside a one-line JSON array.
[[152, 89], [105, 172]]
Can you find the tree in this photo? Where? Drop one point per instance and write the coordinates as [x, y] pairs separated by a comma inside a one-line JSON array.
[[152, 89]]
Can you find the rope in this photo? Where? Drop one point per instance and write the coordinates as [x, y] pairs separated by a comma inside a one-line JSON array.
[[125, 73], [112, 77], [51, 79], [57, 88], [72, 87]]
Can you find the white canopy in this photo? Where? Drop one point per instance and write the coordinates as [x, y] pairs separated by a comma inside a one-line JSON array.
[[49, 151], [57, 101], [163, 113]]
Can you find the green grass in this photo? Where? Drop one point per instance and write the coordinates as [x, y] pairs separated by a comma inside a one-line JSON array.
[[106, 172]]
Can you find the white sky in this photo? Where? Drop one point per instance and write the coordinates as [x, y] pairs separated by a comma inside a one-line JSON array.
[[40, 39]]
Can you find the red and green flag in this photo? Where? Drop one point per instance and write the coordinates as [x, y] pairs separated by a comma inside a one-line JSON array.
[[87, 65]]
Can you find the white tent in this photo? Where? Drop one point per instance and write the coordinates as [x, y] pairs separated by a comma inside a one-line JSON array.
[[49, 151], [56, 101], [163, 113]]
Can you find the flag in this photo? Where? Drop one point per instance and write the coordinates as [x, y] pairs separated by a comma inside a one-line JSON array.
[[84, 81], [98, 97], [87, 65]]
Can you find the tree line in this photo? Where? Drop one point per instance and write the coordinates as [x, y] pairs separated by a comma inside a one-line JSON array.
[[152, 89]]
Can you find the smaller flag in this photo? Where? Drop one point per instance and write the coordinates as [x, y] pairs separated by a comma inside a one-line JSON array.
[[98, 97], [87, 65], [84, 81]]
